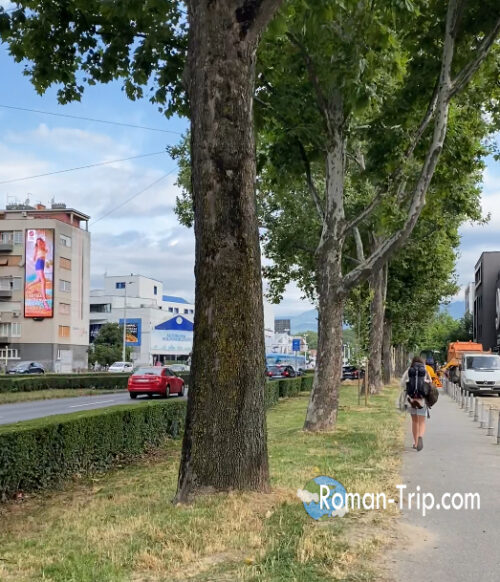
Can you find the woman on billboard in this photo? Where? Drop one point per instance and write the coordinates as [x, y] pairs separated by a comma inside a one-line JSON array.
[[39, 258]]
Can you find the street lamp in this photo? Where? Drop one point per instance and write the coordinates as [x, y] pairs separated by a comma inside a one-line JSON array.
[[124, 347]]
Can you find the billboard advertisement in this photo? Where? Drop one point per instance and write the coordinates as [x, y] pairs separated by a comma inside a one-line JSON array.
[[133, 332], [39, 273], [174, 337]]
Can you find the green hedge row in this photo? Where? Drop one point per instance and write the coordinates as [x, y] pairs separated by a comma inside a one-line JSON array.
[[43, 453], [30, 383]]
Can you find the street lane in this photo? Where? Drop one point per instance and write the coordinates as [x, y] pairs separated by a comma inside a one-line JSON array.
[[39, 408]]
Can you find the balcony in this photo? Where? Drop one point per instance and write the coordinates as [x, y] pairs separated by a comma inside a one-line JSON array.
[[6, 247]]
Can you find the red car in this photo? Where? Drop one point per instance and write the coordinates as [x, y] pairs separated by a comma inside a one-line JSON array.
[[155, 380]]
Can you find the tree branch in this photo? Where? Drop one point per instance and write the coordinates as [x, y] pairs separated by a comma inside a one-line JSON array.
[[365, 213], [255, 15], [310, 182], [378, 258], [465, 75], [313, 77], [359, 245]]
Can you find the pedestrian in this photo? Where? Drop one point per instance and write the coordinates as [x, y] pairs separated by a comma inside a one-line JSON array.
[[413, 381]]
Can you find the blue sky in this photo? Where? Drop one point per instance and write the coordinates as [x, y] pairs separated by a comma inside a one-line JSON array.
[[143, 236]]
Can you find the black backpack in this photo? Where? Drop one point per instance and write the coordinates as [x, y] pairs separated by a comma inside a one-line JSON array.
[[415, 387]]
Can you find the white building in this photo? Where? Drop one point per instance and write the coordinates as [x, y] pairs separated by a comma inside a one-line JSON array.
[[140, 301], [159, 326]]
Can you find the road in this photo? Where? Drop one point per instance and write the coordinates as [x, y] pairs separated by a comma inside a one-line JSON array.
[[450, 546], [39, 408]]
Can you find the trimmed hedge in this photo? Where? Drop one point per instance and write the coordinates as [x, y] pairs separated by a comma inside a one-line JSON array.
[[43, 453], [31, 383], [307, 383]]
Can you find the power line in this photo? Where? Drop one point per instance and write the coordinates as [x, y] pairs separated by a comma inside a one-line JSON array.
[[92, 222], [89, 119], [81, 167]]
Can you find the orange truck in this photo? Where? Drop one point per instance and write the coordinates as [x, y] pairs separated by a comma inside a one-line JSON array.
[[455, 352]]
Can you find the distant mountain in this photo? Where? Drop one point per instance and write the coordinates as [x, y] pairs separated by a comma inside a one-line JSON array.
[[307, 321]]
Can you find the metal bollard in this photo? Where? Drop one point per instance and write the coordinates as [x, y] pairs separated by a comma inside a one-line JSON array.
[[498, 429], [471, 404], [466, 401], [489, 431], [462, 398], [476, 408], [481, 414]]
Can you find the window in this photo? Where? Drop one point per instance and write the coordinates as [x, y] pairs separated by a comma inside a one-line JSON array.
[[100, 308], [15, 283], [65, 308], [5, 329], [176, 310], [120, 285], [65, 263], [65, 240], [15, 329], [64, 286], [186, 311], [191, 311], [64, 330], [5, 237], [155, 290], [170, 309], [18, 237], [9, 354]]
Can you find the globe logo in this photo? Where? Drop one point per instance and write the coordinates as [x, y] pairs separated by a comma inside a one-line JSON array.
[[323, 498]]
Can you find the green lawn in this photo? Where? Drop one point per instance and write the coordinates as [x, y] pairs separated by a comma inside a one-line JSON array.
[[122, 526], [11, 397]]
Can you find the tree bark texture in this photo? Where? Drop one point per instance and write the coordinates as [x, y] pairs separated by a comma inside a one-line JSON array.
[[323, 403], [224, 444], [387, 353], [378, 284]]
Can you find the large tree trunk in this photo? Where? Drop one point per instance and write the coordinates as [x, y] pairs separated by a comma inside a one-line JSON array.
[[378, 285], [387, 365], [323, 404], [224, 443]]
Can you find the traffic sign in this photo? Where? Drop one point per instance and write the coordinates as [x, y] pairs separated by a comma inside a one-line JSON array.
[[296, 345]]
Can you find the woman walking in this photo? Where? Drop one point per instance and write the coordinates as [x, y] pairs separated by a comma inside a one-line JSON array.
[[414, 380]]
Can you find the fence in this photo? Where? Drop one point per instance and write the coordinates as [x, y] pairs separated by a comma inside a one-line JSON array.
[[476, 408]]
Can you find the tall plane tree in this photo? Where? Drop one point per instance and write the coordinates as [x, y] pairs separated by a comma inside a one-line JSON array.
[[340, 80], [202, 64]]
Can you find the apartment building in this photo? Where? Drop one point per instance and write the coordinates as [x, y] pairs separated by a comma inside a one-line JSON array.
[[486, 323], [44, 286]]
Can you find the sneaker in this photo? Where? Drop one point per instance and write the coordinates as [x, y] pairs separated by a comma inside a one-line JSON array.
[[420, 444]]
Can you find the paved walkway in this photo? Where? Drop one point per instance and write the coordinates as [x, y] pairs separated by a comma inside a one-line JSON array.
[[451, 546]]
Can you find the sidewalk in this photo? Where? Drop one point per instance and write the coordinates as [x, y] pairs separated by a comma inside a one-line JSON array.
[[450, 546]]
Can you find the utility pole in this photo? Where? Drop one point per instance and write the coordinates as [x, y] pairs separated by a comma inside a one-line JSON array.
[[124, 347]]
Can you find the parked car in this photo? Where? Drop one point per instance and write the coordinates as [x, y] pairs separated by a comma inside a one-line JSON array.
[[152, 380], [179, 368], [277, 372], [27, 368], [351, 373], [121, 367]]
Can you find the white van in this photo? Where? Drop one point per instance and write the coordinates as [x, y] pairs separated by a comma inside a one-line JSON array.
[[480, 373]]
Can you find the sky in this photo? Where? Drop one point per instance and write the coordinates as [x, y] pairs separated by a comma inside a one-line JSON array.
[[141, 236]]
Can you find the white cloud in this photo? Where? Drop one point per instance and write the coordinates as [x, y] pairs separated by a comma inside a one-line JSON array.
[[306, 496]]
